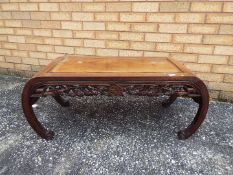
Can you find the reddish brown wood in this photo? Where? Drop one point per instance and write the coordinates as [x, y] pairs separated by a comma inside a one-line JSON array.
[[182, 83], [30, 115]]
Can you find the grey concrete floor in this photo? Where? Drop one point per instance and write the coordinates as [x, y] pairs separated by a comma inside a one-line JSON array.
[[113, 135]]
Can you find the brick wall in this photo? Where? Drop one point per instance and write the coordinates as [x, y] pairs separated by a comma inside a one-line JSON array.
[[198, 33]]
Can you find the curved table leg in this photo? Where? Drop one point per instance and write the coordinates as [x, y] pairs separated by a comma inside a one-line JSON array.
[[203, 102], [170, 100], [30, 115], [196, 99], [61, 101], [33, 100]]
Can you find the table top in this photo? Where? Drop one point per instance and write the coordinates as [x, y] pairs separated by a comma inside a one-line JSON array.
[[83, 66]]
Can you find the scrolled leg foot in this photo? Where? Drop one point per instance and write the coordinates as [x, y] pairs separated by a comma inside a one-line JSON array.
[[49, 135], [183, 134]]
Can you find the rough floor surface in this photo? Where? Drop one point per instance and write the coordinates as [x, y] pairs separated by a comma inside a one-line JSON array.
[[113, 135]]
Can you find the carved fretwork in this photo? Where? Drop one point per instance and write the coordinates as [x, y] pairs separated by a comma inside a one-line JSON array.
[[115, 90]]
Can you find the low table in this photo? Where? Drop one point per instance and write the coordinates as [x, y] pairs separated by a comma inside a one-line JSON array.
[[114, 76]]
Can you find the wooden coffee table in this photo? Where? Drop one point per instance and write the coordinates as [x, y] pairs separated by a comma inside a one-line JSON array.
[[114, 76]]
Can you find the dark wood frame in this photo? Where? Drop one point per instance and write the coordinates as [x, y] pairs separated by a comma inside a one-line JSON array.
[[46, 84]]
